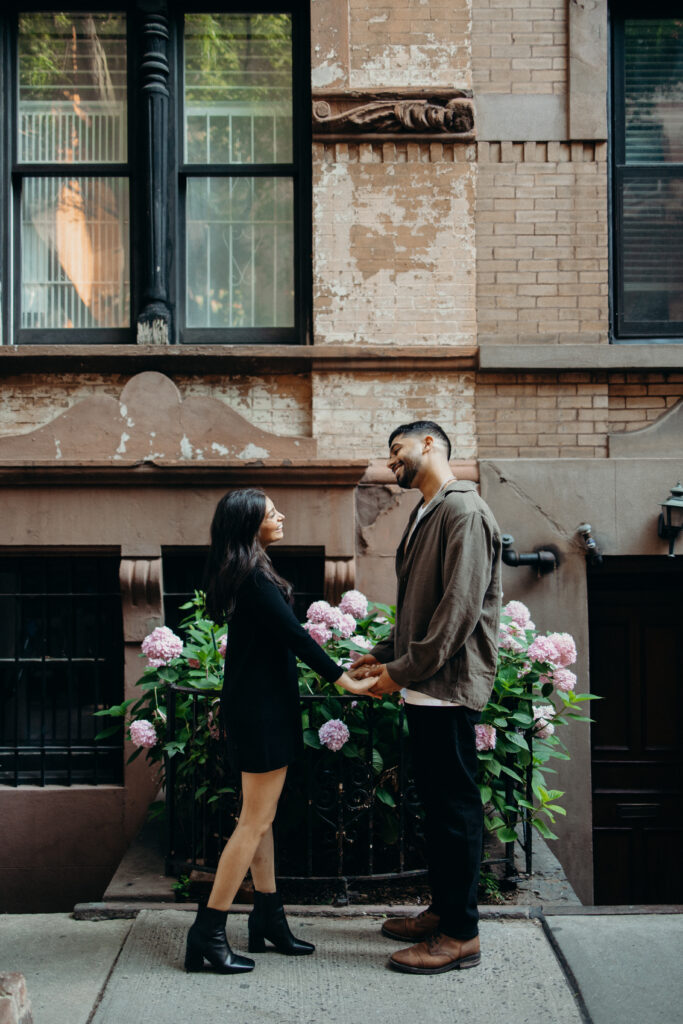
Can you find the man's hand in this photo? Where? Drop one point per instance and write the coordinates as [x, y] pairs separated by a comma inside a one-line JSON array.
[[384, 684], [366, 665]]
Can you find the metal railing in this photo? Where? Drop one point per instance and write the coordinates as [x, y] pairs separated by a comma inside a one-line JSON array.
[[332, 826]]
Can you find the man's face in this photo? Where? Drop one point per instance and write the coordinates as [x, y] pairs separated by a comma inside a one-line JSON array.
[[405, 459]]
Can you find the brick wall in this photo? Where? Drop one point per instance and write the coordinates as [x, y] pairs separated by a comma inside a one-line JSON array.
[[535, 416], [277, 403], [410, 42], [519, 46], [637, 399], [354, 413], [394, 243], [541, 227]]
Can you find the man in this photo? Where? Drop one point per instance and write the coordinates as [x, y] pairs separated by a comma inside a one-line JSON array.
[[442, 654]]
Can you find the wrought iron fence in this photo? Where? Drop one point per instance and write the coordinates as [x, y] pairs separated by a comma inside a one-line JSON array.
[[331, 826]]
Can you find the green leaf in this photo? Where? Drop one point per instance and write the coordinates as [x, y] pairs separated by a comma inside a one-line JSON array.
[[377, 761], [507, 834], [485, 792], [556, 808], [386, 797], [543, 829], [109, 732], [511, 772], [311, 739]]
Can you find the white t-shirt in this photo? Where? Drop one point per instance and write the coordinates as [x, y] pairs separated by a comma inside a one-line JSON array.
[[416, 696]]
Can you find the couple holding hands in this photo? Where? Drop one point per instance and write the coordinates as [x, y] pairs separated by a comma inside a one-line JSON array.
[[441, 655]]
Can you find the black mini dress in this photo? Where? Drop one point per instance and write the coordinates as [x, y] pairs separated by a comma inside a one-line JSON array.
[[260, 698]]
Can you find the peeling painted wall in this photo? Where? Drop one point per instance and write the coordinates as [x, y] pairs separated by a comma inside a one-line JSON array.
[[354, 413], [394, 245], [280, 404], [410, 42]]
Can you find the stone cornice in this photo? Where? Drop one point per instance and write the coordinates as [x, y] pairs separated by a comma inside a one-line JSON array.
[[309, 473], [210, 359]]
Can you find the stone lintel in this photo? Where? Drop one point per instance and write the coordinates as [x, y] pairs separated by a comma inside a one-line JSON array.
[[208, 359], [528, 357]]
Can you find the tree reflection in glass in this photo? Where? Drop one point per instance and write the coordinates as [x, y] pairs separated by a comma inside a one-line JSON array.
[[72, 110]]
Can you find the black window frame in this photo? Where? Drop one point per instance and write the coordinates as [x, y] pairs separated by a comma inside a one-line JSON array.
[[11, 174], [622, 330], [301, 172]]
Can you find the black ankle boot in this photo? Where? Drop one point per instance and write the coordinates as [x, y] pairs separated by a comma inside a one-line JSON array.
[[267, 921], [206, 941]]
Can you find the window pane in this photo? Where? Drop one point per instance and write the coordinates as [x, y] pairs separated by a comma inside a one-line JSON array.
[[238, 88], [74, 253], [654, 91], [239, 255], [653, 249], [72, 88]]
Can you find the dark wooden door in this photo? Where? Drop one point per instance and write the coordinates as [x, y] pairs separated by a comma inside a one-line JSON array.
[[636, 665]]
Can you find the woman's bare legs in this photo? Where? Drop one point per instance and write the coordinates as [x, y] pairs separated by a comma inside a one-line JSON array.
[[250, 840], [263, 864]]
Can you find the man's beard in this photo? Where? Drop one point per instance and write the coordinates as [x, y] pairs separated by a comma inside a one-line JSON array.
[[408, 473]]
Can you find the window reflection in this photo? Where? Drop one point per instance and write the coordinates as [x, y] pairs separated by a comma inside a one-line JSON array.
[[238, 88], [72, 88], [74, 253]]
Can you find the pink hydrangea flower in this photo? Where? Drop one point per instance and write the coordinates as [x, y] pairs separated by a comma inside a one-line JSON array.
[[543, 649], [319, 631], [143, 733], [526, 668], [193, 662], [347, 626], [542, 716], [564, 679], [565, 647], [518, 612], [508, 643], [354, 603], [362, 641], [485, 737], [333, 734], [318, 611], [223, 645], [162, 646], [214, 731]]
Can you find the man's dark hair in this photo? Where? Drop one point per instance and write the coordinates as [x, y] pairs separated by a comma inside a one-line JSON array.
[[423, 427]]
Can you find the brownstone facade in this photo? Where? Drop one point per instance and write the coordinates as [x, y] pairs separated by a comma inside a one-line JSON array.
[[458, 274]]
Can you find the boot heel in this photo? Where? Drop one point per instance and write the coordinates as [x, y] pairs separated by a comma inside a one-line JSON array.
[[194, 960], [257, 943]]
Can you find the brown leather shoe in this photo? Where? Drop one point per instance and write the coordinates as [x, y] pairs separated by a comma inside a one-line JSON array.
[[437, 954], [411, 928]]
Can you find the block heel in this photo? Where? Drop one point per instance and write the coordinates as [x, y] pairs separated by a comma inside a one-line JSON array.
[[257, 943]]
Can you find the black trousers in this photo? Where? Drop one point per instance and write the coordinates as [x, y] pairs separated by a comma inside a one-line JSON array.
[[445, 769]]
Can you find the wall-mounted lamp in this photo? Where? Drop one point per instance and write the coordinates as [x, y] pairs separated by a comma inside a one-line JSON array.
[[671, 518], [544, 561], [593, 553]]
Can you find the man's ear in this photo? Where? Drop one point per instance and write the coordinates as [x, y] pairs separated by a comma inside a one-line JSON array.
[[428, 443]]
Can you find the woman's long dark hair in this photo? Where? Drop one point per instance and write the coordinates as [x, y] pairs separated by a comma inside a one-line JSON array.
[[236, 552]]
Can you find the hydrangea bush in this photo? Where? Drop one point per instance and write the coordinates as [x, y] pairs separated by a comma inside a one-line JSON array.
[[534, 696]]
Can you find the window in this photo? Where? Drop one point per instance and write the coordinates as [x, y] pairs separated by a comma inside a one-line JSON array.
[[61, 659], [184, 573], [647, 166], [235, 210]]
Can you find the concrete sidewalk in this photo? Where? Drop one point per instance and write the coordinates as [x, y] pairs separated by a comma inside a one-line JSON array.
[[626, 968]]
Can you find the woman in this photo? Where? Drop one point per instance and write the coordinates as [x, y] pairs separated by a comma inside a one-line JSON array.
[[260, 716]]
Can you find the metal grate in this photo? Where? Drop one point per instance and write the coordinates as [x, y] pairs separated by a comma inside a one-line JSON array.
[[61, 659]]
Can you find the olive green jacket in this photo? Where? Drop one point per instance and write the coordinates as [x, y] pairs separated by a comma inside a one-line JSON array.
[[445, 641]]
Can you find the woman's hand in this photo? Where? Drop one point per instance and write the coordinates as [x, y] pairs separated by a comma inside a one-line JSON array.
[[359, 687]]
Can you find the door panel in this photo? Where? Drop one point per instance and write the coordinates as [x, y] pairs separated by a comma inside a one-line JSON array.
[[636, 657]]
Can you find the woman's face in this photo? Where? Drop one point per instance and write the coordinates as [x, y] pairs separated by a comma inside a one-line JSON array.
[[271, 527]]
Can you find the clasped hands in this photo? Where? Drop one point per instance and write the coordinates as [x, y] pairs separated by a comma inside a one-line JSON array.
[[376, 680]]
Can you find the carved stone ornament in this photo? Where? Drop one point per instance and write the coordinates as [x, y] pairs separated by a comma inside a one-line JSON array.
[[151, 423], [407, 116]]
